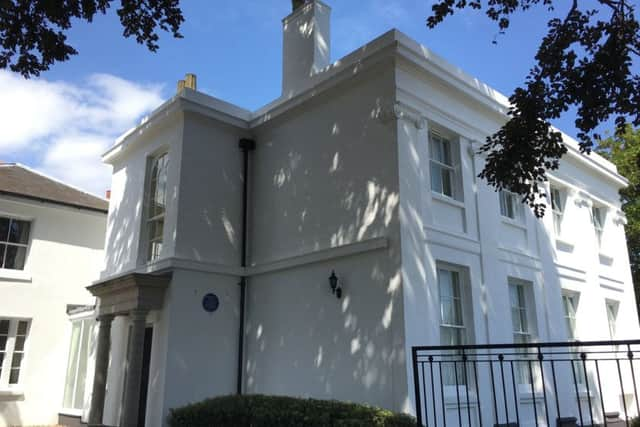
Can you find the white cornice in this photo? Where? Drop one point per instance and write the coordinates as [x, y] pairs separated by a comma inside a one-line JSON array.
[[393, 46]]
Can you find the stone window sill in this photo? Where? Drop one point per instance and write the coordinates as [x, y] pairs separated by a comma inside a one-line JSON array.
[[448, 200], [517, 223], [14, 275], [11, 394]]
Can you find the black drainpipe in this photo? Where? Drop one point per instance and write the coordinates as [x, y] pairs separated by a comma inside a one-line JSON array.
[[246, 145]]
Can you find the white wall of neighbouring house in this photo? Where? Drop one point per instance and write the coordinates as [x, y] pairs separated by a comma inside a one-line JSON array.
[[64, 255]]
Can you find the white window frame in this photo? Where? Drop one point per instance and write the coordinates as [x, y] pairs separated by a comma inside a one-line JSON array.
[[571, 323], [598, 218], [87, 331], [153, 247], [612, 308], [444, 166], [10, 351], [5, 243], [570, 316], [526, 330], [558, 197], [465, 326], [510, 205]]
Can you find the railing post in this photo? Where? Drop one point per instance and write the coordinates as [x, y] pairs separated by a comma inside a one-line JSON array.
[[416, 386]]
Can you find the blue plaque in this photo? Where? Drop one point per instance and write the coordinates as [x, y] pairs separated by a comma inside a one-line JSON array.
[[210, 303]]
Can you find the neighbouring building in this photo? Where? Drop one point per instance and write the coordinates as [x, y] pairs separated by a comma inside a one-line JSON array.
[[51, 246], [227, 227]]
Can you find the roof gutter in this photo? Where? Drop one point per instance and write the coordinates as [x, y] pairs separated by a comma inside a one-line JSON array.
[[54, 202]]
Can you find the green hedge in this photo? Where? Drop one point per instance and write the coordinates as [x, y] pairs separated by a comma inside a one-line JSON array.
[[280, 411]]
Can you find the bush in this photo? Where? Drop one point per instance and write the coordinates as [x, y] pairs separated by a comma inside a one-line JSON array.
[[280, 411]]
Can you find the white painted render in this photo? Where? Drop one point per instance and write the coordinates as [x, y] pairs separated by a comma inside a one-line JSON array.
[[340, 181], [65, 254]]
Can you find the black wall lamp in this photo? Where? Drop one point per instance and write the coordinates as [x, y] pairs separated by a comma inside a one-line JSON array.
[[335, 287]]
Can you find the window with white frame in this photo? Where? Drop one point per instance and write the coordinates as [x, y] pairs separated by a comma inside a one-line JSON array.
[[522, 324], [570, 302], [453, 322], [598, 215], [156, 205], [14, 242], [510, 205], [74, 389], [570, 305], [612, 317], [444, 179], [557, 207], [13, 342]]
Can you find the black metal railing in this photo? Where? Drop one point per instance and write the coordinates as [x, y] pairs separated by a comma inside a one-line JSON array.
[[536, 384]]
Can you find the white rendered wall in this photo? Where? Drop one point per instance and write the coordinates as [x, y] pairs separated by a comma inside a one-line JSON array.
[[126, 208], [325, 176], [65, 255], [202, 230], [472, 234]]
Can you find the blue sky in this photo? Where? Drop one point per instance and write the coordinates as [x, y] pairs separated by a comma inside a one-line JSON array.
[[61, 122]]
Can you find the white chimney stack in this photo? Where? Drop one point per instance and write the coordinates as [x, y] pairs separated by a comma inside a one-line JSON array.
[[306, 44]]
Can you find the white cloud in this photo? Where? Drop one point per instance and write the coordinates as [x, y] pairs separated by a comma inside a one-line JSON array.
[[65, 127]]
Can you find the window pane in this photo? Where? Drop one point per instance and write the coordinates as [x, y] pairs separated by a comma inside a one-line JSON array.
[[154, 250], [446, 284], [4, 327], [82, 366], [19, 232], [503, 204], [447, 182], [450, 299], [515, 320], [524, 324], [4, 229], [451, 336], [556, 200], [3, 342], [16, 362], [15, 257], [455, 283], [22, 327], [436, 177], [511, 210], [557, 222], [14, 376], [450, 312], [71, 365], [437, 151], [20, 343], [156, 229]]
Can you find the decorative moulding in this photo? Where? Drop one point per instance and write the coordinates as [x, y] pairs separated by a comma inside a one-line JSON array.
[[401, 111], [620, 219]]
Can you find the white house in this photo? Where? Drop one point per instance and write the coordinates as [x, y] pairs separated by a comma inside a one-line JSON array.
[[366, 168], [51, 245]]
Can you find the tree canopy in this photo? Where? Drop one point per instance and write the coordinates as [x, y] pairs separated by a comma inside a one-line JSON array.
[[585, 62], [33, 33], [624, 151]]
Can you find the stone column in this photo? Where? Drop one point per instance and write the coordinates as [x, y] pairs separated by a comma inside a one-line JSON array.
[[134, 368], [101, 369]]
